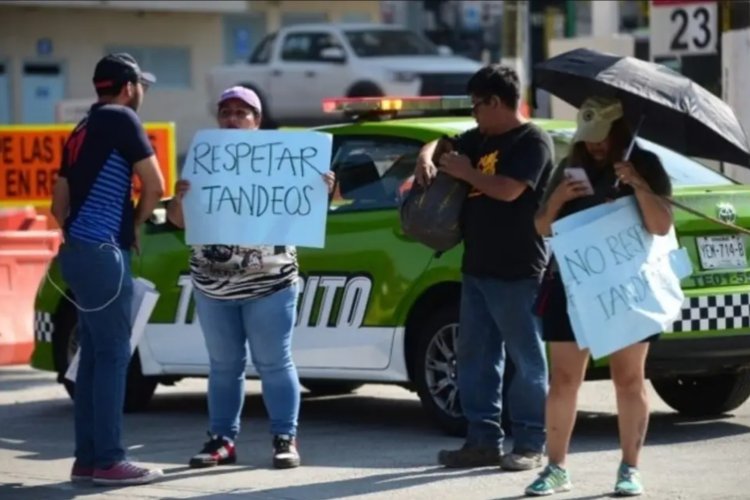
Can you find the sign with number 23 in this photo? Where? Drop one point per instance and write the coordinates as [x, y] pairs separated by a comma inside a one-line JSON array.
[[683, 27]]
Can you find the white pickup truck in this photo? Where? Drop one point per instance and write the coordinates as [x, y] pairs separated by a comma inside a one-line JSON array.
[[294, 69]]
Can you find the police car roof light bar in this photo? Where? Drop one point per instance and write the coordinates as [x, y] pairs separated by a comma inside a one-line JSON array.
[[389, 105]]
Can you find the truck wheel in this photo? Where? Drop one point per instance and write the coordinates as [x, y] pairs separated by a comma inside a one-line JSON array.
[[267, 122], [706, 395], [436, 372], [365, 89], [330, 387], [139, 389]]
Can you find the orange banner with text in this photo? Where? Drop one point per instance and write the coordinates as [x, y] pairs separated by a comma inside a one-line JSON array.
[[30, 157]]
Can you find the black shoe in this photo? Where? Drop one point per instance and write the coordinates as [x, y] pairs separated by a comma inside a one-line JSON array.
[[218, 450], [470, 456], [285, 455]]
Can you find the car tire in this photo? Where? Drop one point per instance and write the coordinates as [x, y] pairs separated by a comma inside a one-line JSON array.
[[704, 395], [267, 122], [365, 89], [139, 389], [439, 329], [448, 417], [330, 387]]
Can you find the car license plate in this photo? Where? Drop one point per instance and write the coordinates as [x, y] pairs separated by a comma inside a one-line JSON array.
[[722, 252]]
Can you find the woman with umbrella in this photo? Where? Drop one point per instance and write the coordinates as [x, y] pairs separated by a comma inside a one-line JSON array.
[[601, 140]]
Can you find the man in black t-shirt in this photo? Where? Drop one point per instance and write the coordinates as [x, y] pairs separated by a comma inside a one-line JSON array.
[[92, 203], [507, 161]]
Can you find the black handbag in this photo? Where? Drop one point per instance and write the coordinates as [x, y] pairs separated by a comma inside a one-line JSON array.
[[432, 214]]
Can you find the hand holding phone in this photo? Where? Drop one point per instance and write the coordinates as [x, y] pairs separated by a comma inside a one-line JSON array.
[[579, 174]]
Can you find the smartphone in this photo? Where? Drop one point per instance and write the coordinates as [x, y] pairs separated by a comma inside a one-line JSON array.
[[579, 174]]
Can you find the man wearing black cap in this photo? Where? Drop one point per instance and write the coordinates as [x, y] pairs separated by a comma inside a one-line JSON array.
[[92, 203]]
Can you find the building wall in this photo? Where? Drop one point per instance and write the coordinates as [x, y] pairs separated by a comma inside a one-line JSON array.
[[336, 8], [80, 36], [161, 5], [336, 11], [79, 39]]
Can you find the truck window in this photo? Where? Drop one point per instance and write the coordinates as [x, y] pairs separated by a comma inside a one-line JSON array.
[[262, 53], [307, 46], [390, 42]]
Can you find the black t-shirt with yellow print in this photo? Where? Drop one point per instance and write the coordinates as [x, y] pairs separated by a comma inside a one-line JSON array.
[[500, 240]]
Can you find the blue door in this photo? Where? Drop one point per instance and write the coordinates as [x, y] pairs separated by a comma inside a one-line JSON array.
[[241, 34], [42, 86], [4, 94]]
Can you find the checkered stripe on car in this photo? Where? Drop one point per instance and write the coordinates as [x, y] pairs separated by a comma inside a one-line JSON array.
[[715, 312], [43, 326]]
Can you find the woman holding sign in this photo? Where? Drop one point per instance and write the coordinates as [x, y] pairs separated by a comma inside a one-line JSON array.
[[245, 295], [594, 173]]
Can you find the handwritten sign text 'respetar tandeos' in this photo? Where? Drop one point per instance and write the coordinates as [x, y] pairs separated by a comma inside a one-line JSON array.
[[257, 187], [30, 157], [622, 283]]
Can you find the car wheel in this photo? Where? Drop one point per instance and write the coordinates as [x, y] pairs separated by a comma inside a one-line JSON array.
[[330, 387], [705, 395], [139, 389], [436, 372]]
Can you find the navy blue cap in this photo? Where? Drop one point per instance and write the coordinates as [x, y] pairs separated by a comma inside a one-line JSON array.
[[119, 68]]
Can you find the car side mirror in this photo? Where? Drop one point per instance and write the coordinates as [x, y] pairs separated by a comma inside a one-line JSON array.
[[444, 50], [333, 54]]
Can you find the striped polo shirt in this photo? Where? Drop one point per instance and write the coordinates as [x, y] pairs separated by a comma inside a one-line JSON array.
[[98, 163]]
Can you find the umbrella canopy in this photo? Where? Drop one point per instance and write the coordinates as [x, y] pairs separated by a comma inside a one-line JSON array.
[[675, 111]]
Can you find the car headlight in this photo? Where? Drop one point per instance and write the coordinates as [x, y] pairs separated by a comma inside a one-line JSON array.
[[402, 76]]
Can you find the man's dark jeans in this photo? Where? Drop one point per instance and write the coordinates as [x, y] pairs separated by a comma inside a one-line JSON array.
[[95, 274], [497, 318]]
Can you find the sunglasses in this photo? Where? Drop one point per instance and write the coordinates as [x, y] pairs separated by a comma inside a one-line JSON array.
[[475, 104]]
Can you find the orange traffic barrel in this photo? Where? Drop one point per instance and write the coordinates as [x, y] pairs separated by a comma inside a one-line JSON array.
[[26, 249]]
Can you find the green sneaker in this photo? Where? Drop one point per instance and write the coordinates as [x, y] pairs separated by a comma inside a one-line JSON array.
[[628, 481], [553, 479]]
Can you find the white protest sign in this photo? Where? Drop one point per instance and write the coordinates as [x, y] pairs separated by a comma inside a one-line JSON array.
[[250, 187], [622, 283]]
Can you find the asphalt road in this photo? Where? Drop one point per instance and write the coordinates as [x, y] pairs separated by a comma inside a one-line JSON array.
[[375, 443]]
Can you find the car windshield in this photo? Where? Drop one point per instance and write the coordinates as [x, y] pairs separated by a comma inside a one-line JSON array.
[[383, 43], [682, 170]]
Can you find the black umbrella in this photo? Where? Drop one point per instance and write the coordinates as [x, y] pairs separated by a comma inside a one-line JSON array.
[[663, 105]]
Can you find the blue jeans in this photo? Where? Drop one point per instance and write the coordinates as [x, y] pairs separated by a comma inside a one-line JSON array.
[[265, 323], [496, 318], [93, 272]]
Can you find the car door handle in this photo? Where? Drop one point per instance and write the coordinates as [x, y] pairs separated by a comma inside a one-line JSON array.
[[310, 74], [276, 72]]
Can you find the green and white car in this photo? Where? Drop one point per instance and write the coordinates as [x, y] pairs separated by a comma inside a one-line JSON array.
[[377, 307]]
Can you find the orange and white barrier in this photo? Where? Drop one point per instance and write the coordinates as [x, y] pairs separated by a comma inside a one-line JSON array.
[[26, 248]]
